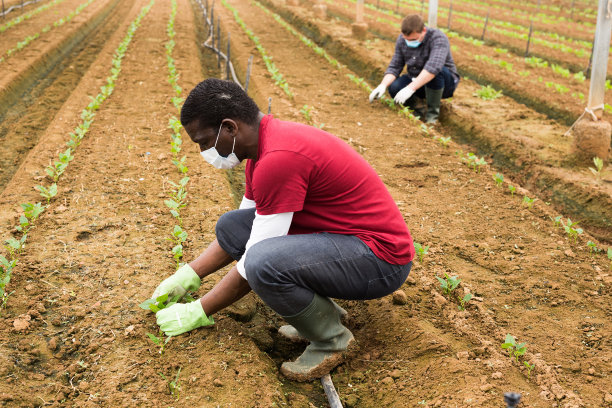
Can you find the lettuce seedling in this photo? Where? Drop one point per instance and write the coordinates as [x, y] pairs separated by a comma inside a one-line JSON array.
[[448, 284], [420, 250], [529, 201], [514, 350], [159, 340], [598, 167], [464, 301], [499, 179], [529, 368]]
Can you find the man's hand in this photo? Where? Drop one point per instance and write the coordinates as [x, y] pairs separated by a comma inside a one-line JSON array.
[[403, 95], [378, 92], [182, 317], [183, 280]]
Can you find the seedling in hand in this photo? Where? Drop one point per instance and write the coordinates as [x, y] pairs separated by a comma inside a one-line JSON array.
[[420, 250], [448, 284], [514, 350], [159, 303], [464, 301]]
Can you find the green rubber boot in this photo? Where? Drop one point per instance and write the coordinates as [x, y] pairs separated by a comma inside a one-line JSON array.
[[329, 340], [290, 333], [433, 98]]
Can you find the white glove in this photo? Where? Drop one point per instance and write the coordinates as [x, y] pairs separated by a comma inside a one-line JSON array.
[[378, 92], [403, 95]]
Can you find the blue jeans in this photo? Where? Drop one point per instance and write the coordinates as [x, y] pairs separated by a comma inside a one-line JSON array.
[[287, 271], [444, 79]]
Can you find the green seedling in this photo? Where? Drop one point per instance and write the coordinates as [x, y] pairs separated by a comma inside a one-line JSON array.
[[15, 246], [529, 368], [31, 212], [474, 161], [598, 167], [425, 129], [499, 179], [593, 248], [420, 250], [610, 256], [160, 341], [488, 93], [512, 189], [444, 141], [47, 193], [464, 301], [448, 284], [528, 201], [305, 111], [556, 220], [514, 350], [174, 386], [6, 269], [159, 303], [571, 230]]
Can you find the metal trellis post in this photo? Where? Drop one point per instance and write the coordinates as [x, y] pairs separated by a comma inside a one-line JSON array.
[[529, 38], [601, 51], [484, 29]]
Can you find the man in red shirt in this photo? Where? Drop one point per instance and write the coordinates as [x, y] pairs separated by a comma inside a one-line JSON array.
[[316, 222]]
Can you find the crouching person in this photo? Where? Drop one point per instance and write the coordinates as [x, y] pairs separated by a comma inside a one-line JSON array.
[[316, 222]]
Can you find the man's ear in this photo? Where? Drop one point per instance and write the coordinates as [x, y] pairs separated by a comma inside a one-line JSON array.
[[231, 126]]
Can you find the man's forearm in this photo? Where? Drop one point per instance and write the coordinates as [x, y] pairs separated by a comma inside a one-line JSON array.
[[230, 289], [212, 259], [423, 78]]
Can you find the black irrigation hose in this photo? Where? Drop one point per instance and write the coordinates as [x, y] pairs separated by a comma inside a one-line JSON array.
[[215, 49], [16, 6]]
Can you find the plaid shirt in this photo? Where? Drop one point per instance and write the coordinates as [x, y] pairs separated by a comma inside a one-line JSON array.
[[433, 54]]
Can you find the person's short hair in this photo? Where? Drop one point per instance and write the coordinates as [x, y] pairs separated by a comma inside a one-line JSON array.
[[213, 100], [412, 24]]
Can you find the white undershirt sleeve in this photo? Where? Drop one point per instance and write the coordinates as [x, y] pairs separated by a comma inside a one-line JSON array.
[[246, 203], [265, 226]]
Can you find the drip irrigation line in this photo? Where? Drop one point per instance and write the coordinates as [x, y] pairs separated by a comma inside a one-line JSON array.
[[209, 43], [330, 391], [16, 6]]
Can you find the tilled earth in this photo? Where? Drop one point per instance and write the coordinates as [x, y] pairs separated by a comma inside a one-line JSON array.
[[73, 335]]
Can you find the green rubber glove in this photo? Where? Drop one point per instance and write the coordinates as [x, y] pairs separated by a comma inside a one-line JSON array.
[[182, 317], [182, 281]]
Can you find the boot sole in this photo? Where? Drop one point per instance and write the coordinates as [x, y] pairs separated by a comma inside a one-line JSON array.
[[324, 368]]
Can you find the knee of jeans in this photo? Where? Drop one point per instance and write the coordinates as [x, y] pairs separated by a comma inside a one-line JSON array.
[[393, 89], [258, 270]]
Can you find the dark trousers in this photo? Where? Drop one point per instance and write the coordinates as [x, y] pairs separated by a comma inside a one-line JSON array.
[[444, 79], [287, 271]]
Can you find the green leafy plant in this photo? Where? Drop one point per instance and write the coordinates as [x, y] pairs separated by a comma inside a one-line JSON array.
[[488, 93], [499, 179], [598, 167], [159, 303], [610, 256], [421, 251], [514, 350], [474, 161], [444, 141], [593, 247], [305, 111], [159, 340], [557, 220], [464, 301], [529, 368], [6, 268], [448, 283], [571, 230], [47, 193], [512, 189], [528, 202]]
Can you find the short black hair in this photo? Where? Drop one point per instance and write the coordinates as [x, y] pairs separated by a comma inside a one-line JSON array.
[[213, 100]]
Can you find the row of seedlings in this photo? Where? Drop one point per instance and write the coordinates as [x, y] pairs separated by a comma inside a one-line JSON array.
[[22, 44], [29, 15], [15, 246]]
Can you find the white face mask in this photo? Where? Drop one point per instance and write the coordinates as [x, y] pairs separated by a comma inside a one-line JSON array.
[[213, 157]]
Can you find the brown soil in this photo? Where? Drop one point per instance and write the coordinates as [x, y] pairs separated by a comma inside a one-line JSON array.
[[101, 249]]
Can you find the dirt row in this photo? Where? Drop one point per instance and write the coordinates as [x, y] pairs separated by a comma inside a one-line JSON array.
[[101, 249]]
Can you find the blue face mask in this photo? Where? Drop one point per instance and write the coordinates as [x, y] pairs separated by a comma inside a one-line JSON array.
[[412, 44]]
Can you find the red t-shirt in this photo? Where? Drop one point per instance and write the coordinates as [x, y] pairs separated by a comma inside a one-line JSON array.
[[327, 185]]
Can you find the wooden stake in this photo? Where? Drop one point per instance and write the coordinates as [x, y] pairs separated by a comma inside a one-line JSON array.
[[450, 14], [330, 391], [227, 65], [219, 42]]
